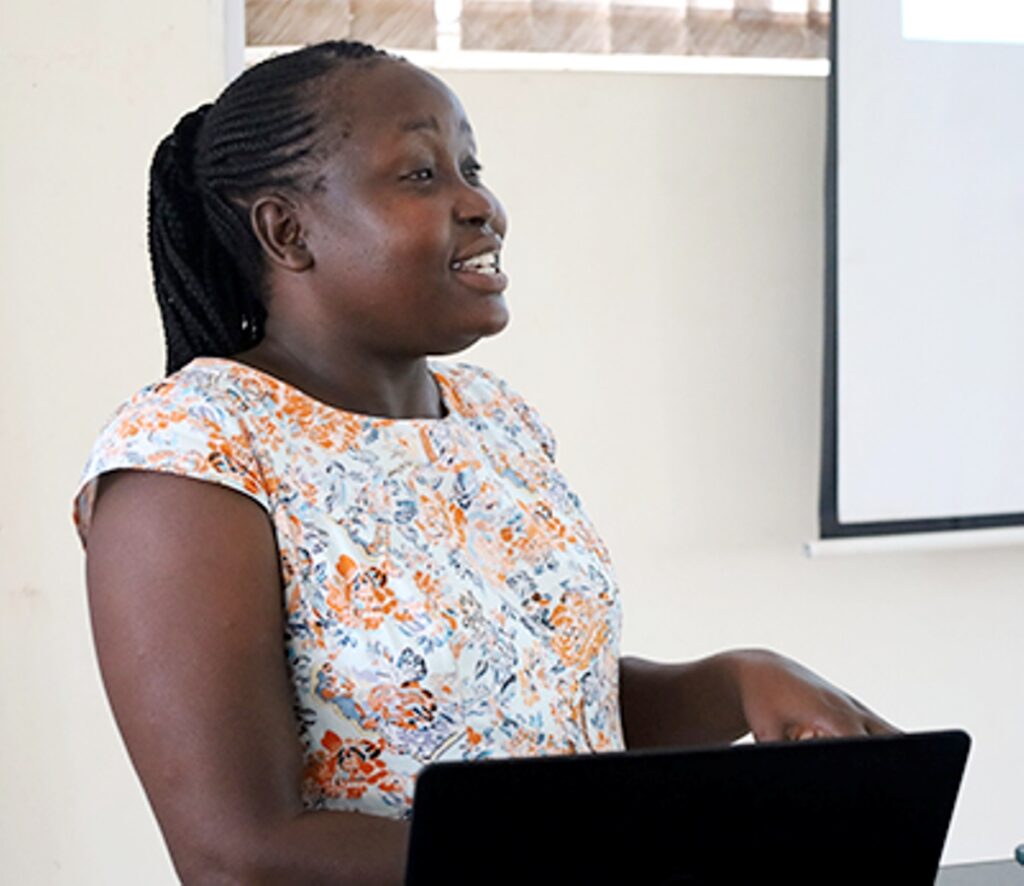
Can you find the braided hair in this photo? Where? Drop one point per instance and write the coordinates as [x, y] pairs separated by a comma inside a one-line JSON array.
[[259, 134]]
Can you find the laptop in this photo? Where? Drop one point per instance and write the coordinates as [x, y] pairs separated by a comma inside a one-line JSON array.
[[828, 811]]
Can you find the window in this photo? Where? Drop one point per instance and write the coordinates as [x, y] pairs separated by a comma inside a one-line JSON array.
[[768, 29]]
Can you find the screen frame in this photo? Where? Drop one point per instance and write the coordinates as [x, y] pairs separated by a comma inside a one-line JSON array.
[[830, 526]]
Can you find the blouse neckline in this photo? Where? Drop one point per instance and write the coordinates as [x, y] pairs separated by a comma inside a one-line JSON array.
[[449, 400]]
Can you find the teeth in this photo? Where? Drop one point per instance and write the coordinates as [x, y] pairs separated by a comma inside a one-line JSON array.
[[485, 263]]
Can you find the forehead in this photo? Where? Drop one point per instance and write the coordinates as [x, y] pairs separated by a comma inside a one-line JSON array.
[[391, 101]]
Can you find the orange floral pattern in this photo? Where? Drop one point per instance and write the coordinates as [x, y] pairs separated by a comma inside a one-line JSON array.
[[445, 595]]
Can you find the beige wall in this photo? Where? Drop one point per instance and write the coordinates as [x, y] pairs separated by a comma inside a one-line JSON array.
[[665, 252], [87, 90]]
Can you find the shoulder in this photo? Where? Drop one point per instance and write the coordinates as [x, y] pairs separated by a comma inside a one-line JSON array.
[[202, 400], [192, 424], [469, 378], [476, 383], [485, 392]]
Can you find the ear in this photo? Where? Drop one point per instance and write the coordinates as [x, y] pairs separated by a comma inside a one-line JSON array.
[[275, 223]]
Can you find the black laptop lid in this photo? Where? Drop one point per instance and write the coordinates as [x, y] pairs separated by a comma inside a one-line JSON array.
[[868, 811]]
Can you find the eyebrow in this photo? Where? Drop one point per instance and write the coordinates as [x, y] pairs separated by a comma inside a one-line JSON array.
[[431, 123]]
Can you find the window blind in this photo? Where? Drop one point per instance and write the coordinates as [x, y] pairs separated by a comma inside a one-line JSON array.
[[746, 28]]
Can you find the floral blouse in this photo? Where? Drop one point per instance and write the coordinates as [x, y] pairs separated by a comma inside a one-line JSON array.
[[446, 597]]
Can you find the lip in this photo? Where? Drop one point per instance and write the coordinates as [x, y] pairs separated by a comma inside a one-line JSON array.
[[487, 244], [482, 282]]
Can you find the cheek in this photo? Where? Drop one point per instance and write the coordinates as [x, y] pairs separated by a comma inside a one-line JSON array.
[[385, 234], [393, 253], [392, 240], [418, 249]]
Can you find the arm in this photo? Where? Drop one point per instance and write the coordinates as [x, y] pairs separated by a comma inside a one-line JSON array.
[[186, 607], [717, 700]]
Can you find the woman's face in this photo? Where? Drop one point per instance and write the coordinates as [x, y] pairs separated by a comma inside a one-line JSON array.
[[399, 202]]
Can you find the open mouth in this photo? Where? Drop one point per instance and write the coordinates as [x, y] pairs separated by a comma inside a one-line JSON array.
[[486, 263]]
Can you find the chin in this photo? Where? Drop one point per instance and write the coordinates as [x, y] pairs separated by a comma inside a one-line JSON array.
[[500, 320], [485, 328], [469, 339]]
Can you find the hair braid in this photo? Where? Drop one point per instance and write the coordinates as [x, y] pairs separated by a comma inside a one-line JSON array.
[[206, 261]]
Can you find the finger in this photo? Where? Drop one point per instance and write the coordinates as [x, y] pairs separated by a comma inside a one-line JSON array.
[[838, 727], [768, 732], [803, 732], [877, 726], [809, 730], [854, 728]]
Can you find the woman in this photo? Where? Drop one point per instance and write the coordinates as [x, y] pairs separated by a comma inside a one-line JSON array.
[[315, 235]]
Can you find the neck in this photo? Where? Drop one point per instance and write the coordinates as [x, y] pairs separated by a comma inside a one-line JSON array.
[[360, 382]]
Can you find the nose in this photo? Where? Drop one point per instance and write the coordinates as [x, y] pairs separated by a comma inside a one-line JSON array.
[[478, 206]]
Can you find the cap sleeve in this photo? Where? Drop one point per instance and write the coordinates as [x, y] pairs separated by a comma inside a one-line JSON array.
[[173, 428], [527, 415]]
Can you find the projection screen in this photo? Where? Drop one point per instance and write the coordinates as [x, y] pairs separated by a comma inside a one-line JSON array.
[[924, 365]]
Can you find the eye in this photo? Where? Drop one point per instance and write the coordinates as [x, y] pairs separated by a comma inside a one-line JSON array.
[[472, 171], [421, 175]]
